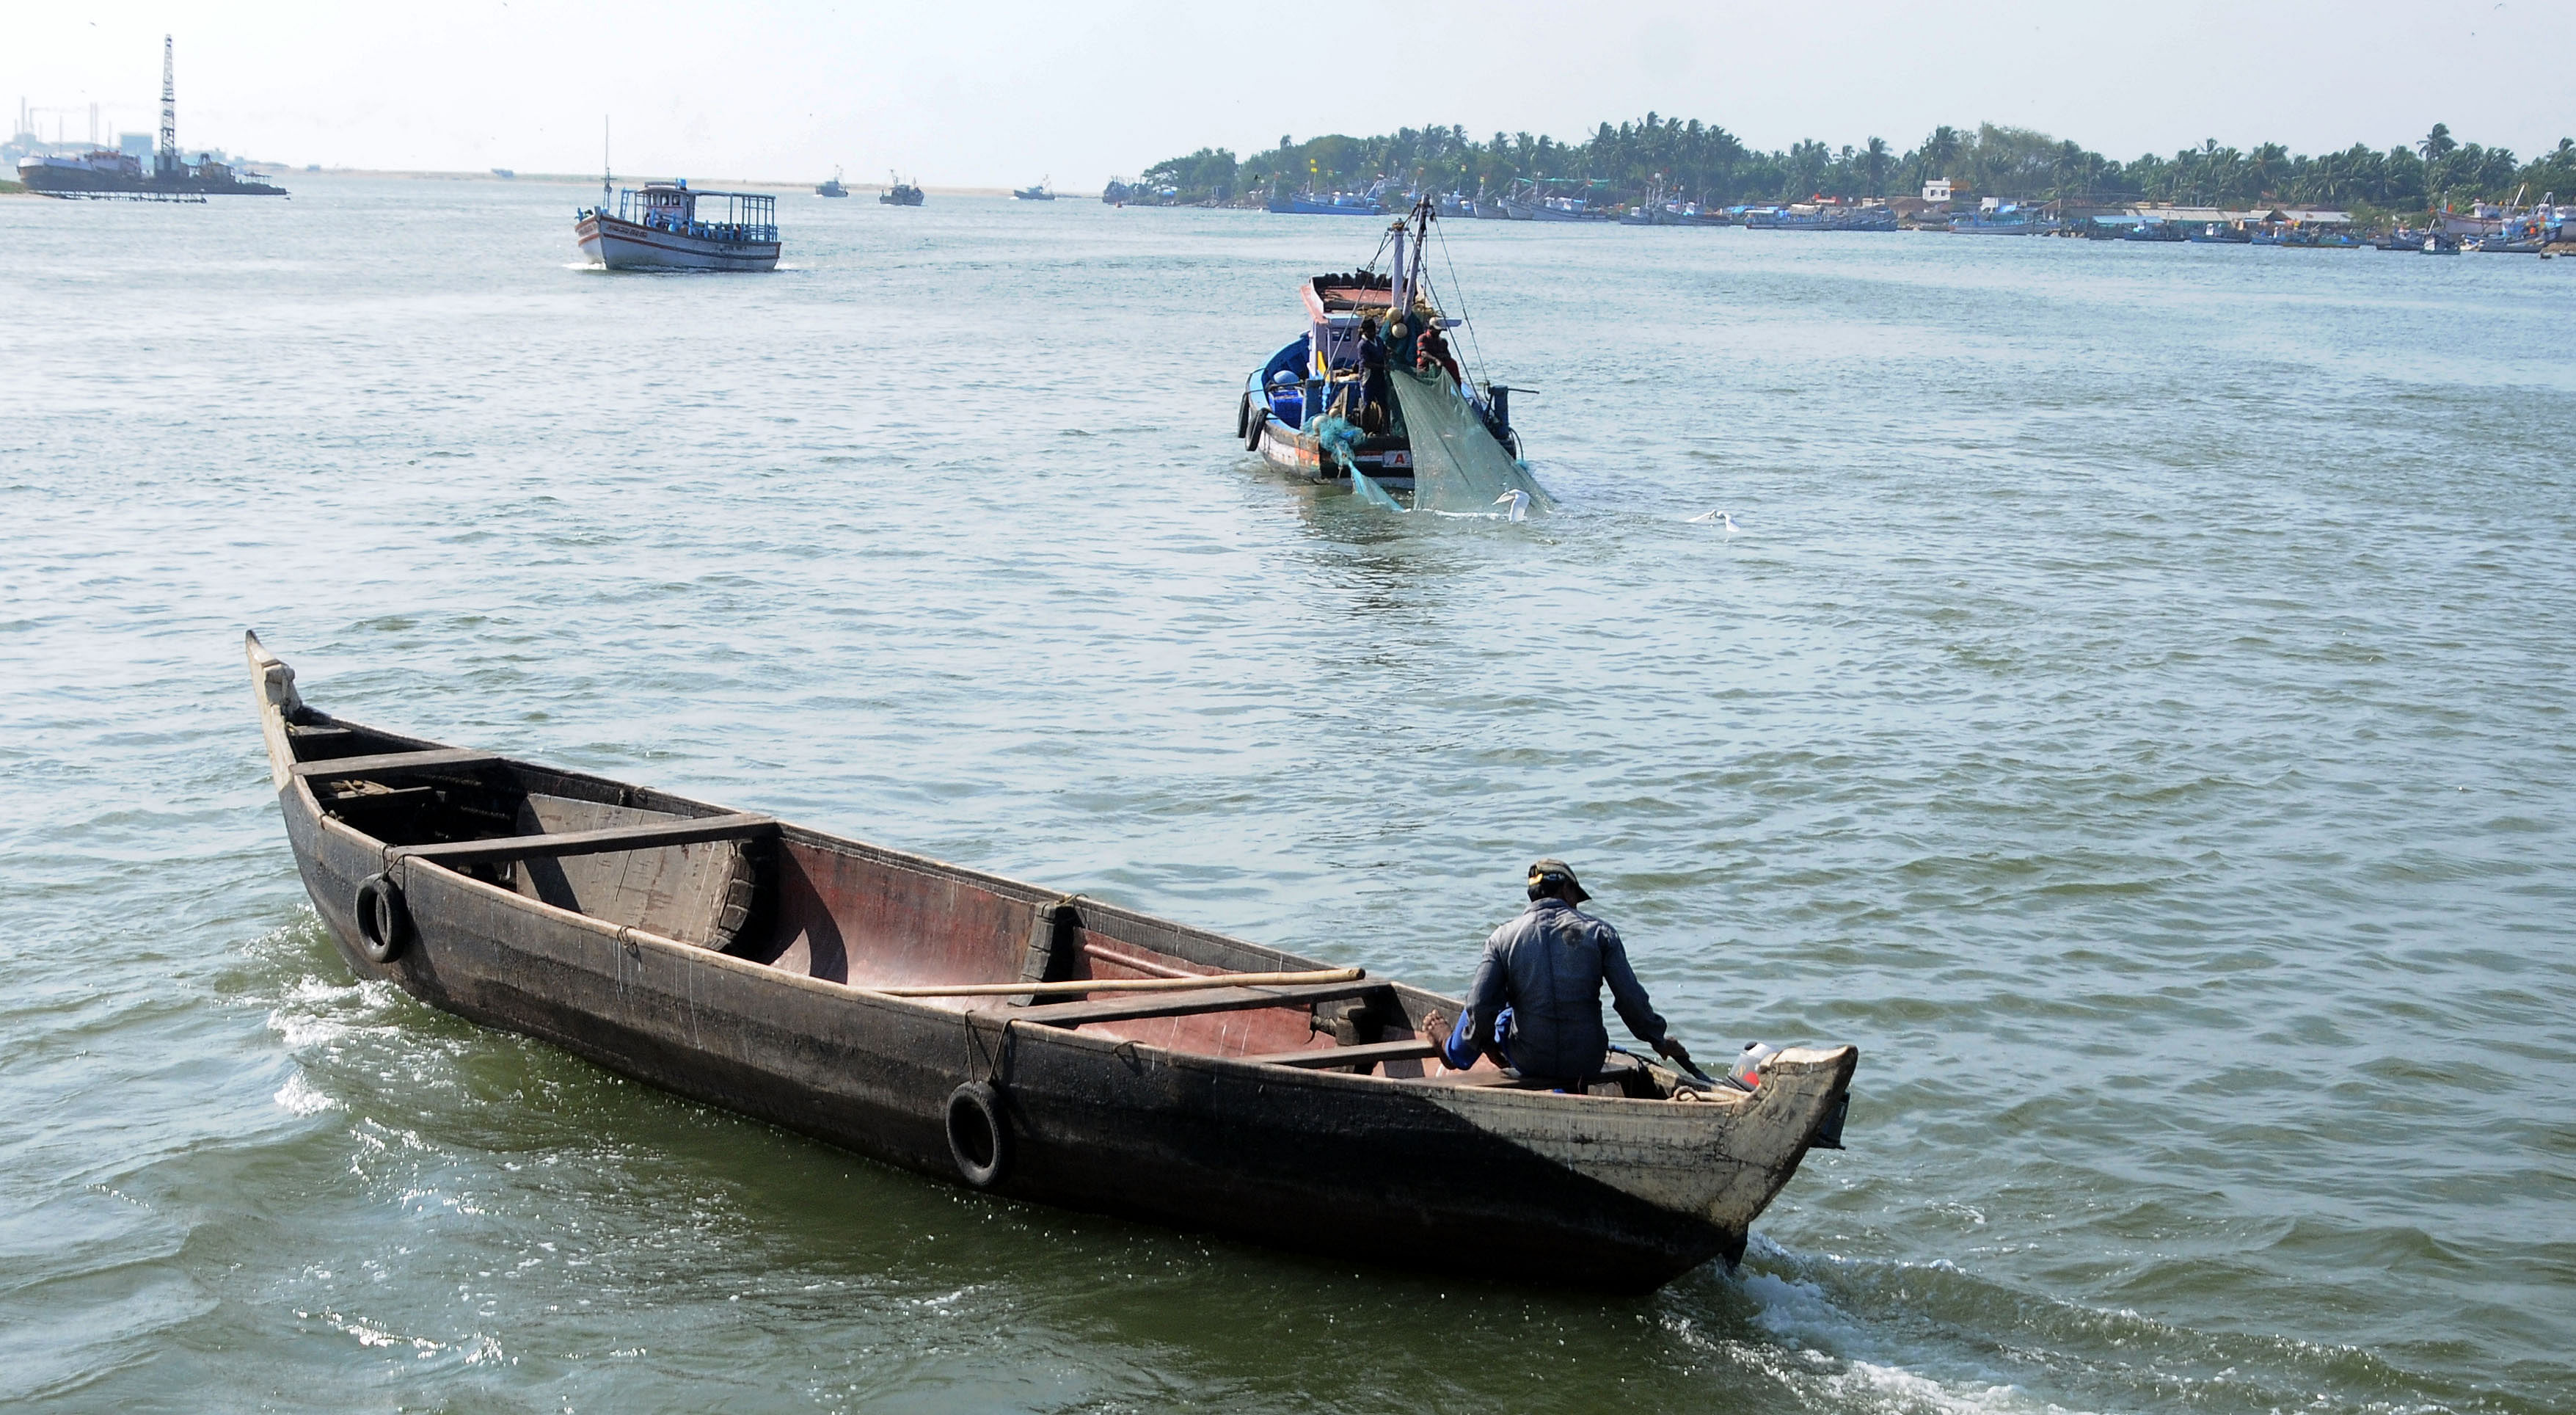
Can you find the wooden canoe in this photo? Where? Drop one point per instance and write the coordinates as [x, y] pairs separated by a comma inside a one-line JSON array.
[[755, 965]]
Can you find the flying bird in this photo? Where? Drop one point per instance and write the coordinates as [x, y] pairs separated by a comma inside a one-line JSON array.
[[1715, 518], [1518, 500]]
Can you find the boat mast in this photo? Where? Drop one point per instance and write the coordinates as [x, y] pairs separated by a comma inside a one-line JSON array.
[[1395, 295], [606, 184], [1408, 276]]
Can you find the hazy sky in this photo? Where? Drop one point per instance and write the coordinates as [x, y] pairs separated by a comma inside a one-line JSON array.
[[984, 94]]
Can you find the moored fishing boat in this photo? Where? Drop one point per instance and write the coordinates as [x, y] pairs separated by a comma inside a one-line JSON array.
[[1286, 203], [1037, 1045], [1549, 199], [832, 188], [899, 192], [2003, 219], [1040, 192], [668, 226]]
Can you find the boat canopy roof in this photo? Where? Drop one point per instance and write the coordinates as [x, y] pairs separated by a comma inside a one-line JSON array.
[[681, 184], [1349, 293]]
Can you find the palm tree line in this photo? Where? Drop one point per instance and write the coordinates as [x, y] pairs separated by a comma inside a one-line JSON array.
[[1705, 162]]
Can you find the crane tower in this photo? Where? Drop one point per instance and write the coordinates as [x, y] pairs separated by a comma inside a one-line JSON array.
[[166, 164]]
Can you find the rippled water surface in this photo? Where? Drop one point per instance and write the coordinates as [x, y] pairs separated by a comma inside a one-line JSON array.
[[2133, 710]]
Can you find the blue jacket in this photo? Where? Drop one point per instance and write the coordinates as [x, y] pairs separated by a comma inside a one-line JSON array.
[[1543, 972]]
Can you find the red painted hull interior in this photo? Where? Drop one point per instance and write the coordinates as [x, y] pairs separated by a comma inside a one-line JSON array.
[[872, 923]]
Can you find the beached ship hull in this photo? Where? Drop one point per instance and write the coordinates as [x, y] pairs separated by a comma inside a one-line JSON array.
[[626, 245], [745, 962], [112, 172]]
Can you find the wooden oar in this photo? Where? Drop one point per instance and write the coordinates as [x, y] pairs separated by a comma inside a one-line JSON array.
[[1213, 980]]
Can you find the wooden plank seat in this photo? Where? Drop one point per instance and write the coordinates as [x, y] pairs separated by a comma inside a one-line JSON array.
[[1618, 1075], [1365, 1055], [692, 831], [394, 763], [1185, 1004]]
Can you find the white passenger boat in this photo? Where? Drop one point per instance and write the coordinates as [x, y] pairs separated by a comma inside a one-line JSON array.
[[667, 226]]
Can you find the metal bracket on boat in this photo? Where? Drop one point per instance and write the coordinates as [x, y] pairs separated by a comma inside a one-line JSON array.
[[997, 1062]]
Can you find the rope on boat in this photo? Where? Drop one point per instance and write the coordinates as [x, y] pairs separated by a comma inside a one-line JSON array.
[[1082, 985]]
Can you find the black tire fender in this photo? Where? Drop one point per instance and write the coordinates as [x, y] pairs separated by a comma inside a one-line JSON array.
[[381, 920], [1257, 417], [979, 1138], [1243, 416]]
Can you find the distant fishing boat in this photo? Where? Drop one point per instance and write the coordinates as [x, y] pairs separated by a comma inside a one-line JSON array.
[[1536, 200], [2005, 219], [1040, 192], [668, 226], [1652, 211], [832, 188], [1691, 213], [899, 193]]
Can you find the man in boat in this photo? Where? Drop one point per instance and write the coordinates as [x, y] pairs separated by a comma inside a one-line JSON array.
[[1376, 393], [1535, 1005], [1434, 349]]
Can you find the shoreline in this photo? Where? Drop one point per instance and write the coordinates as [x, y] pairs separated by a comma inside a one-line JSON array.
[[282, 175]]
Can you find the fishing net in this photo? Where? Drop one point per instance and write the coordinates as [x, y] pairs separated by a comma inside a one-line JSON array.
[[1337, 438], [1458, 467]]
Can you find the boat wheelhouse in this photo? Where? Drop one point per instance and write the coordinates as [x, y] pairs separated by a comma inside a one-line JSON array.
[[1312, 409], [669, 226]]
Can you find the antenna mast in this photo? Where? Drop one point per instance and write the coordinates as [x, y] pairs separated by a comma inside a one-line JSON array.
[[606, 185], [168, 163]]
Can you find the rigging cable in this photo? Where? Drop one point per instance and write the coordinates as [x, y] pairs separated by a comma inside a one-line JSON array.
[[1460, 291]]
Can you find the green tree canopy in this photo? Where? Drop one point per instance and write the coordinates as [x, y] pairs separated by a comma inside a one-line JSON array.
[[1702, 161]]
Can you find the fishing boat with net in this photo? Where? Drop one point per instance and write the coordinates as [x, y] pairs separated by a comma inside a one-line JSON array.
[[1014, 1039], [1373, 393]]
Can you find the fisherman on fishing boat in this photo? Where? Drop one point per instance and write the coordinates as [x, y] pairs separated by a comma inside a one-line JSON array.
[[1358, 396], [1535, 1005]]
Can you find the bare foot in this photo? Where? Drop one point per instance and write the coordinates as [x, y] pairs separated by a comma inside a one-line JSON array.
[[1435, 1028]]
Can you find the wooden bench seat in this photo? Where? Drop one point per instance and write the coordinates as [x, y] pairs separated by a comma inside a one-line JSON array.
[[392, 763], [1140, 1007], [692, 831], [1365, 1055]]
